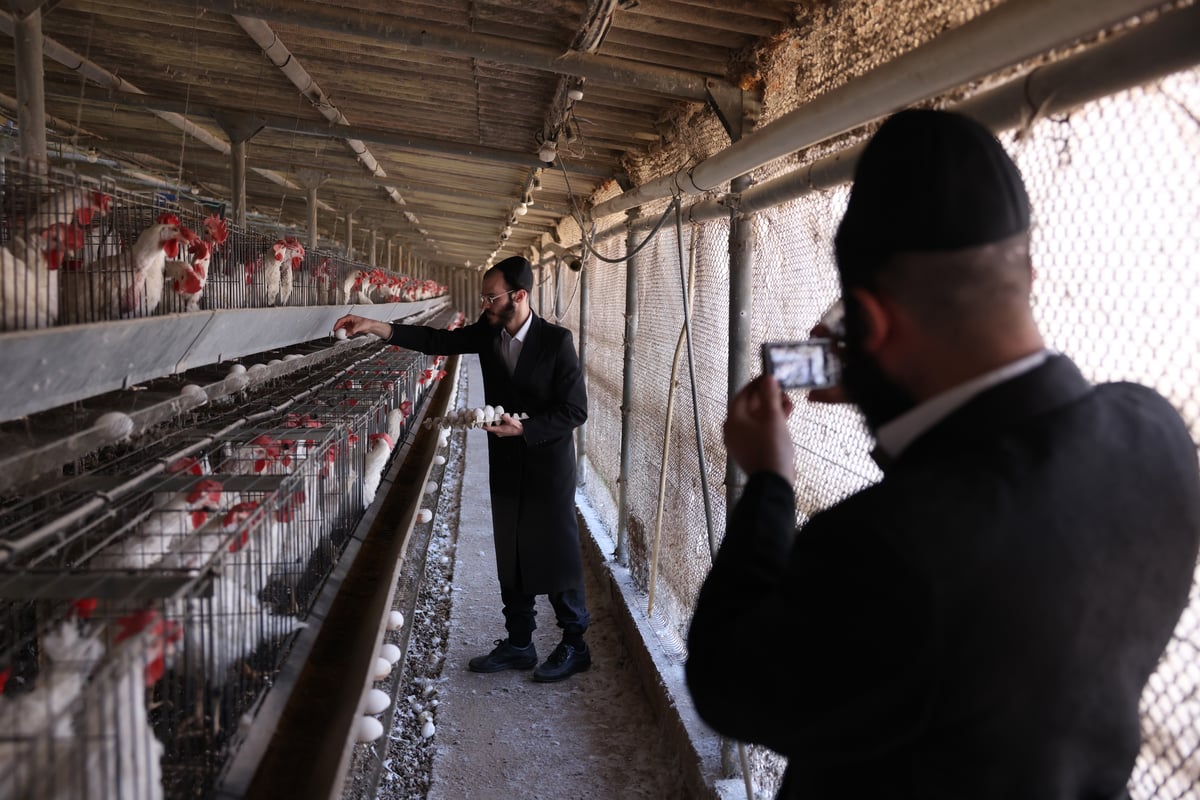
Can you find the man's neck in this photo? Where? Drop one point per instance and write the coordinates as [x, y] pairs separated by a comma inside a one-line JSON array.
[[518, 321]]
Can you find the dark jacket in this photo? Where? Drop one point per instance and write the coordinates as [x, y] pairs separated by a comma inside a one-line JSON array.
[[979, 624], [532, 476]]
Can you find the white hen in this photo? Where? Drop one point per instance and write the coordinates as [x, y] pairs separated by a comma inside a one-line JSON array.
[[129, 284]]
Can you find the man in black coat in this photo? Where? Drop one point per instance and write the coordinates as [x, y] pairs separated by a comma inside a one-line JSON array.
[[529, 367], [981, 622]]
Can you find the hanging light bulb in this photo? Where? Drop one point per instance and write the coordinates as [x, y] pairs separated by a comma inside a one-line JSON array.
[[575, 93], [548, 151], [92, 156], [522, 210]]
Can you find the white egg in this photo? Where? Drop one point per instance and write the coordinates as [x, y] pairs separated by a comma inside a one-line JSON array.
[[439, 460], [292, 356], [395, 621], [431, 487], [383, 668], [194, 393], [369, 729], [258, 368], [391, 652], [274, 361], [427, 730], [237, 369], [424, 515], [115, 425], [489, 412], [376, 701], [499, 412], [340, 333]]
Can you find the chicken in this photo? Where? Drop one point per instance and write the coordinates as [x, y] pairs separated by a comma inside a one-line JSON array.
[[359, 286], [377, 458], [165, 528], [285, 256], [71, 205], [325, 279], [127, 285], [187, 278], [29, 276]]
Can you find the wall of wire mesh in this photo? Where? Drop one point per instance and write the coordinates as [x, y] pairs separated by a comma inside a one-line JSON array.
[[75, 253], [149, 592], [1116, 191]]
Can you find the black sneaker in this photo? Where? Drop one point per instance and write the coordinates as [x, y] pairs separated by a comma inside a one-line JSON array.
[[505, 656], [564, 662]]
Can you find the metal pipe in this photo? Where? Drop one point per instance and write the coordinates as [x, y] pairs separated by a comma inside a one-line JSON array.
[[581, 431], [741, 294], [31, 91], [631, 323], [1008, 34], [313, 232], [1156, 49]]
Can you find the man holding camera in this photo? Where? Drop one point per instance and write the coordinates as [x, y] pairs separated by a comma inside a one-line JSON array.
[[981, 622]]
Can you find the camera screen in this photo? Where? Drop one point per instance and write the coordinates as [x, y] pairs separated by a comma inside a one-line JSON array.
[[801, 365]]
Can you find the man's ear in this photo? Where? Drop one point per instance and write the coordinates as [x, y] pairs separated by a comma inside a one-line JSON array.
[[876, 319]]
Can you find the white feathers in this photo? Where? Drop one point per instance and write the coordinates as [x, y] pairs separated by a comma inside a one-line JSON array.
[[115, 425], [376, 460], [428, 729]]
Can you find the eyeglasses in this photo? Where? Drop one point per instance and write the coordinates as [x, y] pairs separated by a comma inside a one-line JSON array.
[[488, 299]]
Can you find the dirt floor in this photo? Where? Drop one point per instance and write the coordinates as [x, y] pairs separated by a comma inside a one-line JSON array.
[[502, 735]]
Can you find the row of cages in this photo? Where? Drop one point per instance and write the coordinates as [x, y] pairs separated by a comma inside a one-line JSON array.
[[76, 253], [150, 592]]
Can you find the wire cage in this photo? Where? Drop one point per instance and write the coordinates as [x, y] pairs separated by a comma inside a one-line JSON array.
[[76, 252], [149, 592]]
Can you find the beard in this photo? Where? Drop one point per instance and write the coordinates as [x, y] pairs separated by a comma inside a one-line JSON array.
[[878, 397], [501, 318]]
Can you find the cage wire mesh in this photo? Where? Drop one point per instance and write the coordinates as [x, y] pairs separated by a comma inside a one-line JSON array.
[[1115, 187], [73, 252], [153, 588]]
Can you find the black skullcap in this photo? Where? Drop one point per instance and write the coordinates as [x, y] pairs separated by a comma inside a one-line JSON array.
[[517, 271], [928, 181]]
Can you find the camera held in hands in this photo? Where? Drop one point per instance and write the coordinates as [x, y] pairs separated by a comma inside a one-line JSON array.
[[808, 364]]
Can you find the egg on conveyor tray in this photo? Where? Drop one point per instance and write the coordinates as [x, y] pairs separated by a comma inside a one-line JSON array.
[[390, 652], [369, 729], [376, 701], [383, 668], [194, 393], [395, 621], [115, 425], [424, 515], [439, 460]]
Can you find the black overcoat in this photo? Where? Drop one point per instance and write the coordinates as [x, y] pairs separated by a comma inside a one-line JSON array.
[[981, 622], [532, 477]]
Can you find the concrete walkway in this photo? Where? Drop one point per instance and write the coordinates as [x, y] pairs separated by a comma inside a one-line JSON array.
[[500, 736]]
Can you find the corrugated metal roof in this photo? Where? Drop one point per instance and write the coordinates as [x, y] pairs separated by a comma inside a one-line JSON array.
[[450, 98]]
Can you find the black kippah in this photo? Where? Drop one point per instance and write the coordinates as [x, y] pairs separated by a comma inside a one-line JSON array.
[[928, 181], [517, 271]]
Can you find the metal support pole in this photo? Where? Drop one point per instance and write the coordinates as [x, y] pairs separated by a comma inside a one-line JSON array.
[[31, 91], [374, 249], [581, 432], [631, 323], [237, 157], [312, 217], [349, 234], [741, 294]]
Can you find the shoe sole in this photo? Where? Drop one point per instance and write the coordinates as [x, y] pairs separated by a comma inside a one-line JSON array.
[[555, 679], [502, 667]]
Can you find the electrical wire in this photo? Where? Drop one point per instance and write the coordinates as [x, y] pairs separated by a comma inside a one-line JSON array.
[[586, 239]]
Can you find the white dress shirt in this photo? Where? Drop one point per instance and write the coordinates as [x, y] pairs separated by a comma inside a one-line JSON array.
[[510, 346], [893, 437]]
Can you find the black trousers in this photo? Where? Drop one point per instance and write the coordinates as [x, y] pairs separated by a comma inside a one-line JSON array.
[[570, 607]]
